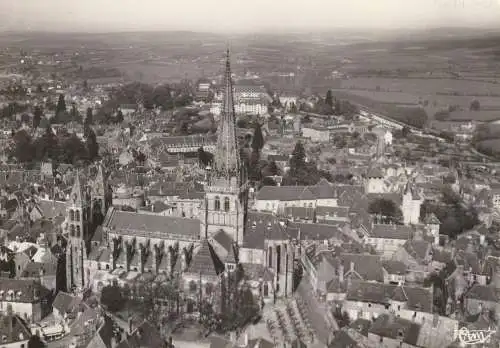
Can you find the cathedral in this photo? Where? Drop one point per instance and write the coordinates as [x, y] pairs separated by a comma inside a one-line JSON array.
[[199, 249]]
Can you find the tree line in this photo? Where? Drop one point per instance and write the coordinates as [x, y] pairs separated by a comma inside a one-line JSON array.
[[61, 148]]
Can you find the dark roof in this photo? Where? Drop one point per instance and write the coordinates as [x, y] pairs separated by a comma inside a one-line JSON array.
[[19, 330], [131, 222], [206, 262], [416, 298], [394, 327], [224, 240], [65, 302], [30, 290], [145, 336], [391, 231]]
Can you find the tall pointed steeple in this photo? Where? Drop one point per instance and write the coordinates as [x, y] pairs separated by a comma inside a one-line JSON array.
[[226, 158], [76, 191]]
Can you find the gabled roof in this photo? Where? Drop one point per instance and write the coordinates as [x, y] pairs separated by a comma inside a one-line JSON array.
[[145, 336], [393, 327], [120, 221], [65, 302], [206, 262], [432, 219], [391, 231]]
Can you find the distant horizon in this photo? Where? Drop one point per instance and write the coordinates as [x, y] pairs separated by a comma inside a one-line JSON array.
[[229, 16], [492, 29]]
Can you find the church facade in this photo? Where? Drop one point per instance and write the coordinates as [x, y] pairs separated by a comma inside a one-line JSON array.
[[201, 249]]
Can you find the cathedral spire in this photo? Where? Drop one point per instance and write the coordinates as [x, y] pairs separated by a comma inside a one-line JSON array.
[[76, 191], [226, 157]]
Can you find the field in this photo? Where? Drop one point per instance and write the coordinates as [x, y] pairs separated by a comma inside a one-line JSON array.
[[383, 97], [427, 86], [482, 115]]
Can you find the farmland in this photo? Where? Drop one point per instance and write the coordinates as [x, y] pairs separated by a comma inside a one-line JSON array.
[[420, 86]]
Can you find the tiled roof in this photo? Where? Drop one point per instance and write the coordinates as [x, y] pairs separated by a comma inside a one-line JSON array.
[[50, 209], [483, 293], [65, 302], [299, 212], [33, 269], [23, 290], [224, 240], [19, 330], [129, 222], [396, 328], [206, 262], [418, 298], [419, 249], [261, 226], [394, 267], [369, 267], [145, 336], [391, 231]]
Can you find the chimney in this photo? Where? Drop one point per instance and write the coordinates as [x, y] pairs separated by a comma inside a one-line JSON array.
[[10, 316], [170, 343], [130, 326], [245, 340], [112, 255], [142, 255], [183, 261], [155, 258], [127, 250], [341, 273], [351, 266]]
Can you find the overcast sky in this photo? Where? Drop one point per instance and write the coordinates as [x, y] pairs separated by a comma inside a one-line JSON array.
[[240, 15]]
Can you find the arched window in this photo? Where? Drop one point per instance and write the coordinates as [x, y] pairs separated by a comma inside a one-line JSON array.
[[266, 290], [217, 203], [71, 215], [227, 204], [77, 215], [72, 230], [192, 286], [209, 289], [78, 232]]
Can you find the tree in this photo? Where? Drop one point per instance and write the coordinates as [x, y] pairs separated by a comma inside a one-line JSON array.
[[258, 138], [298, 159], [273, 168], [23, 149], [204, 157], [475, 105], [119, 117], [405, 131], [37, 116], [112, 298], [74, 150], [61, 104], [92, 145], [329, 98], [385, 208], [89, 118], [35, 342]]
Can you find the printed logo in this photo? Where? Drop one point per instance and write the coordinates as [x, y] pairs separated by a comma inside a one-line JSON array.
[[470, 337]]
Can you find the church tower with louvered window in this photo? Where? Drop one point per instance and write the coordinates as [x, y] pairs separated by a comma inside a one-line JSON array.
[[225, 198], [77, 228]]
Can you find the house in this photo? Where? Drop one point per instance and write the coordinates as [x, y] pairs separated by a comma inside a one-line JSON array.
[[316, 134], [144, 336], [417, 257], [28, 298], [391, 331], [368, 300], [14, 333], [387, 239]]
